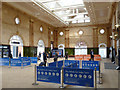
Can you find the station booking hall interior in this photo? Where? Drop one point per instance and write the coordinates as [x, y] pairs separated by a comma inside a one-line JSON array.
[[60, 44]]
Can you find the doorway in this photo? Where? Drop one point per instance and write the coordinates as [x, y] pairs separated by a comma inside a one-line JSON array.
[[16, 46], [41, 48], [103, 50]]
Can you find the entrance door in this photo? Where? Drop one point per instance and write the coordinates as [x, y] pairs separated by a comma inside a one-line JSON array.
[[41, 48], [61, 46], [103, 50], [16, 46]]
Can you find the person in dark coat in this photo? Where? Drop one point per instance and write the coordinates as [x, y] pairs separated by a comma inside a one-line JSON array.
[[20, 54], [92, 55], [56, 56], [66, 55], [45, 58]]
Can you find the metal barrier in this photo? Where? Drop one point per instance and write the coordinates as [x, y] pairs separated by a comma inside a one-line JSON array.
[[63, 75]]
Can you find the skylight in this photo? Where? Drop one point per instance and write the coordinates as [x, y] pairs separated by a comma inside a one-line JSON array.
[[70, 11]]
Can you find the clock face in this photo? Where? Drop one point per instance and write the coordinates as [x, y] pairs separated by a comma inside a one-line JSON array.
[[80, 32], [17, 21], [102, 31], [61, 33]]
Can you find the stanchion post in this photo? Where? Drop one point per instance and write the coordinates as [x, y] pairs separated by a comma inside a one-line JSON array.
[[21, 63], [9, 62], [100, 82], [62, 78], [35, 77], [95, 79], [30, 61]]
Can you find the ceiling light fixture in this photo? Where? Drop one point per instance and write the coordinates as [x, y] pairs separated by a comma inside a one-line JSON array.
[[117, 25]]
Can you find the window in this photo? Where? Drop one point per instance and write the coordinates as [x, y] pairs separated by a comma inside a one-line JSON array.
[[80, 32], [41, 28], [61, 33], [17, 21], [102, 31]]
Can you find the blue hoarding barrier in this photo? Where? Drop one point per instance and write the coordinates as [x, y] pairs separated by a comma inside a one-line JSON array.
[[56, 64], [26, 61], [90, 65], [4, 61], [33, 59], [67, 63], [70, 62], [80, 77], [73, 65], [16, 62], [48, 74]]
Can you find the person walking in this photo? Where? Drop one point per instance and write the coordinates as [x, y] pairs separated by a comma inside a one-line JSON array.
[[66, 55], [44, 58], [56, 56], [92, 55]]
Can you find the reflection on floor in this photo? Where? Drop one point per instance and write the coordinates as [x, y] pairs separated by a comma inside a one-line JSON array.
[[15, 77]]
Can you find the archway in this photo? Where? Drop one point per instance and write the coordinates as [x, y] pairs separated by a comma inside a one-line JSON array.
[[41, 48], [103, 50], [16, 46], [61, 46], [81, 48]]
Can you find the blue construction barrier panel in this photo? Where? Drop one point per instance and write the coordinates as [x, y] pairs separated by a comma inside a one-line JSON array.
[[4, 61], [33, 59], [16, 62], [53, 64], [73, 65], [26, 61], [80, 77], [48, 74], [70, 62], [56, 64], [90, 65]]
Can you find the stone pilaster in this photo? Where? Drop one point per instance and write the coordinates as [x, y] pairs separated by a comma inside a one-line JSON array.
[[95, 37]]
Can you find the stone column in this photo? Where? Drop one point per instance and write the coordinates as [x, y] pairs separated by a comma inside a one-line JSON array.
[[55, 38], [95, 37], [0, 22], [31, 33], [66, 38]]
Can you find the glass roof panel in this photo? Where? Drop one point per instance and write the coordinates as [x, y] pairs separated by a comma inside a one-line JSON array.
[[70, 11]]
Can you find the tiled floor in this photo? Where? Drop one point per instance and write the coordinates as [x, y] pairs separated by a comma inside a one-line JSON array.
[[15, 77]]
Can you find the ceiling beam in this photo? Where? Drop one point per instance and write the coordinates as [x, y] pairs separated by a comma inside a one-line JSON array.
[[85, 18], [48, 1], [72, 14], [79, 6]]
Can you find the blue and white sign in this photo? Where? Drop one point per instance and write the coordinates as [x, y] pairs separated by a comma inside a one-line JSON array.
[[70, 62], [90, 65], [33, 59], [80, 77], [4, 61], [26, 61], [16, 62], [48, 74]]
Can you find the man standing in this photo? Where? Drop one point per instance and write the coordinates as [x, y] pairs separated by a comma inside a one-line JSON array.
[[45, 58], [66, 55], [92, 55], [56, 56]]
